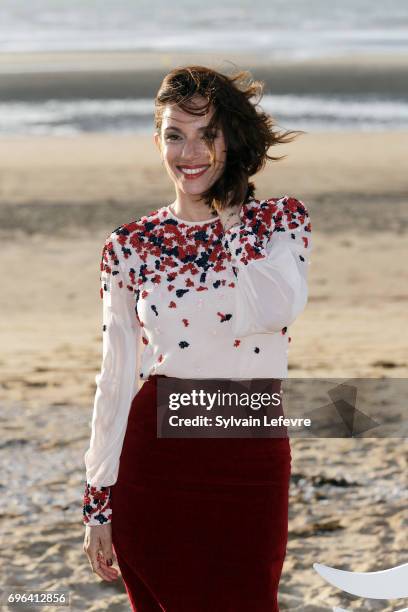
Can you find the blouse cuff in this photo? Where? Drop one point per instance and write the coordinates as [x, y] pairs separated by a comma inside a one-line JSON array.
[[97, 509]]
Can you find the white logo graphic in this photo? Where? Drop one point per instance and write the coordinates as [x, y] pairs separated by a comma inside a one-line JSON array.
[[387, 584]]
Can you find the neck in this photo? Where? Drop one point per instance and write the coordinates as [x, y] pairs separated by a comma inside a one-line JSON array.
[[191, 211]]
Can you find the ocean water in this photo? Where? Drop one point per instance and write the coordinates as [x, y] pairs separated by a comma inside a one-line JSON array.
[[275, 29], [310, 113], [299, 28]]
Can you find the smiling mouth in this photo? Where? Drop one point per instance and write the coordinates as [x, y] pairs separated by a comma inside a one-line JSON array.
[[192, 172]]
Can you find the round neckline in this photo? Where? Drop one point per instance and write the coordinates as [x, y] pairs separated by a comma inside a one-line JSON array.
[[201, 222]]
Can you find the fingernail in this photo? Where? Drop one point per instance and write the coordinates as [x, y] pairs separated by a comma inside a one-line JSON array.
[[109, 562]]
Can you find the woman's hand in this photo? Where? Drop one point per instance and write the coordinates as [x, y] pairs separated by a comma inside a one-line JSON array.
[[230, 216], [98, 547]]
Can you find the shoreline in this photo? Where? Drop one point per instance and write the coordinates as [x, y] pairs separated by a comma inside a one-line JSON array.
[[161, 59], [112, 75]]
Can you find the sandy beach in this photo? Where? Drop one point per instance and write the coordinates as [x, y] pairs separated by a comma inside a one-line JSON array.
[[59, 199]]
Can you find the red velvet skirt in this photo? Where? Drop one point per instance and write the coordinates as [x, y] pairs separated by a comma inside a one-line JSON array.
[[199, 524]]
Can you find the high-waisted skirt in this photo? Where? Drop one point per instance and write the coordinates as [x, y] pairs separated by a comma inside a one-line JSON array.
[[199, 524]]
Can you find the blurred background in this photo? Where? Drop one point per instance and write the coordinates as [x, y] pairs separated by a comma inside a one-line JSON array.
[[77, 159]]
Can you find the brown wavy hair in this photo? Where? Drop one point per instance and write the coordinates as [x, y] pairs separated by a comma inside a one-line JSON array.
[[248, 131]]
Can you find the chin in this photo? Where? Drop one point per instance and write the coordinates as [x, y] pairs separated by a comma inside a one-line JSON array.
[[196, 189]]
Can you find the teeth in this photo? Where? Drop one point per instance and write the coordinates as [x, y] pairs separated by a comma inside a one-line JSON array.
[[193, 171]]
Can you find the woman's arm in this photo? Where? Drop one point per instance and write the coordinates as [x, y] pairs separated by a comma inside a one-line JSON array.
[[116, 385], [270, 255]]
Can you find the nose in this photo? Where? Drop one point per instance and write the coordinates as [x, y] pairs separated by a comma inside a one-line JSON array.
[[194, 149]]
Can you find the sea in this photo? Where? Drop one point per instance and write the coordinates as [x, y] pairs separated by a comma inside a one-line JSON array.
[[275, 29]]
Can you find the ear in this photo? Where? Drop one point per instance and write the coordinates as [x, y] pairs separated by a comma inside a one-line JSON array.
[[157, 141]]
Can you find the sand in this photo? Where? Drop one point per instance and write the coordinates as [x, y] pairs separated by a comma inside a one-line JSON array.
[[59, 199]]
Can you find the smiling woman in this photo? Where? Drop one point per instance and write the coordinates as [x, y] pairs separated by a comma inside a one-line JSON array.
[[196, 524], [208, 127], [186, 156]]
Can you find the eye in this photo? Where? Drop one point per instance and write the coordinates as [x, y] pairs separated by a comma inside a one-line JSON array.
[[172, 136]]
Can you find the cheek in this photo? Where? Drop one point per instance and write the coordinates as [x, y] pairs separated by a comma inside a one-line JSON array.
[[169, 157], [167, 154]]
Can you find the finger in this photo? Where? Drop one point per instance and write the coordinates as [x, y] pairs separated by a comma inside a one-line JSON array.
[[104, 564], [112, 572], [107, 553], [105, 573], [109, 571], [114, 554], [109, 574], [97, 568]]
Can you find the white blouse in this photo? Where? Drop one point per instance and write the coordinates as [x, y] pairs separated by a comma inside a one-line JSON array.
[[186, 299]]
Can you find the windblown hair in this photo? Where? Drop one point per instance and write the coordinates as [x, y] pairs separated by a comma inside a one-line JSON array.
[[247, 130]]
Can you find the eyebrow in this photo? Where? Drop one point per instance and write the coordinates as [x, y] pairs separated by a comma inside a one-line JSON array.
[[173, 127]]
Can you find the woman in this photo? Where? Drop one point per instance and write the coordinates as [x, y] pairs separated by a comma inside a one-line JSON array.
[[203, 288]]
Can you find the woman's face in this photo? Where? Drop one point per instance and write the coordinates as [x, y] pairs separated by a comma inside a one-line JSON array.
[[184, 151]]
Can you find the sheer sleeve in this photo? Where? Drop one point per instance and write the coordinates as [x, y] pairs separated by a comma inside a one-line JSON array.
[[270, 258], [117, 384]]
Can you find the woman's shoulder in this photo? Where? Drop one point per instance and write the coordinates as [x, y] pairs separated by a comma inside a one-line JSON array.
[[128, 239], [279, 213], [136, 227], [291, 214], [140, 225], [286, 204]]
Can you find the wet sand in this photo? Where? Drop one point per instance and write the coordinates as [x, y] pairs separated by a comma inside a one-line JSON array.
[[121, 74]]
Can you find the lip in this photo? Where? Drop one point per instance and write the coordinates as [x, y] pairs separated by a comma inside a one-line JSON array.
[[190, 177]]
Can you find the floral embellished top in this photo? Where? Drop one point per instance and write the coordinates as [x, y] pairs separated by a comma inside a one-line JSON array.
[[186, 299]]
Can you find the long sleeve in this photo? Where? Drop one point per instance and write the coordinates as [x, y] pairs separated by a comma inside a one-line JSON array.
[[270, 256], [116, 385]]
